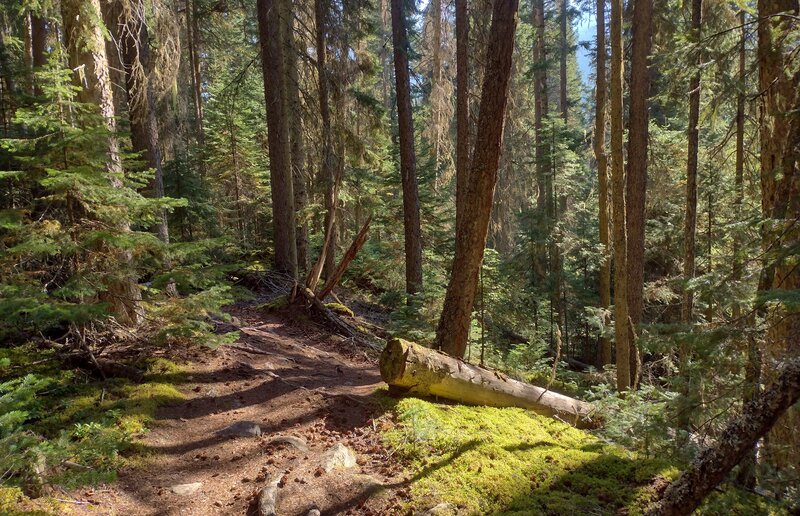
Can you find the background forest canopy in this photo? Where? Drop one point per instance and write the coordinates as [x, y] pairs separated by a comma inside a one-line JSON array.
[[642, 236]]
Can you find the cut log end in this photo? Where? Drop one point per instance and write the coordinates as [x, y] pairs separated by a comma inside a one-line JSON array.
[[393, 360]]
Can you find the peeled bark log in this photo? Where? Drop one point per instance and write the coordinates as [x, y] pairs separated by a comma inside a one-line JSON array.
[[418, 370]]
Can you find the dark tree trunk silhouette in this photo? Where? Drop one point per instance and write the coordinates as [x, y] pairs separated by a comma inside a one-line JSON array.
[[408, 167], [453, 329]]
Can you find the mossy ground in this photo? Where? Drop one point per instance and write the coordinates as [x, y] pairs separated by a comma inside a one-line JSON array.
[[92, 424], [484, 460]]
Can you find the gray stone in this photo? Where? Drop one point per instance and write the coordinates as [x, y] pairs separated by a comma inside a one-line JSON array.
[[291, 440], [241, 429], [313, 512], [186, 489], [338, 457]]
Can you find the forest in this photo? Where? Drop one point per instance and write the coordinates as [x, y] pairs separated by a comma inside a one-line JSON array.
[[304, 257]]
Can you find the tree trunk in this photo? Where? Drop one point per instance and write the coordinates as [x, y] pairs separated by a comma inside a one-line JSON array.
[[462, 108], [563, 102], [38, 47], [127, 19], [621, 335], [294, 116], [747, 470], [453, 330], [713, 464], [27, 50], [636, 180], [272, 62], [408, 167], [327, 169], [542, 156], [779, 84], [690, 217], [602, 173], [192, 38], [85, 41], [408, 367]]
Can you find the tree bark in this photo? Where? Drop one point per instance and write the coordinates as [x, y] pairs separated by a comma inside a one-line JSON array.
[[462, 108], [327, 168], [542, 156], [295, 121], [408, 167], [273, 63], [713, 464], [38, 47], [690, 216], [779, 84], [636, 180], [85, 41], [192, 38], [602, 173], [453, 329], [408, 367], [621, 335], [563, 101]]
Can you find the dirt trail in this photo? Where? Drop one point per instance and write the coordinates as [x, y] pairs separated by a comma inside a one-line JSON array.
[[304, 383]]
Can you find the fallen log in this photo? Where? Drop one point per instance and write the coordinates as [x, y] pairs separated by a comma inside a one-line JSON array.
[[412, 368]]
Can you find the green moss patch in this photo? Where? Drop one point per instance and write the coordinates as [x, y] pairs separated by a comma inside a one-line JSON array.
[[73, 431], [484, 460], [340, 309]]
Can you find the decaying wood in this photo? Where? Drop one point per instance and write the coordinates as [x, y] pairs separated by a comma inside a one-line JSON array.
[[423, 371], [313, 275], [268, 497], [345, 261], [335, 321]]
